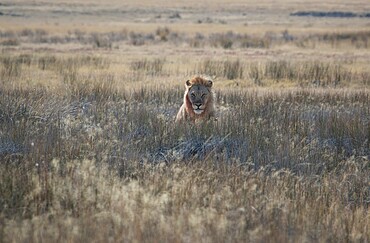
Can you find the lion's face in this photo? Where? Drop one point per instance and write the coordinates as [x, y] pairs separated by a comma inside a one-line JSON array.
[[198, 96]]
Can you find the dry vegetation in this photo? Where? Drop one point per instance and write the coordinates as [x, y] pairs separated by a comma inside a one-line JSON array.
[[89, 151]]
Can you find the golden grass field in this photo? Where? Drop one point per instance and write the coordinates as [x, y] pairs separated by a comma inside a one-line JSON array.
[[89, 151]]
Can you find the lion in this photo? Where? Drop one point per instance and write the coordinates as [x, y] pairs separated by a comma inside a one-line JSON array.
[[198, 101]]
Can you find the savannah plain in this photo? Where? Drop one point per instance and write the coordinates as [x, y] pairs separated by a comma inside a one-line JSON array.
[[89, 151]]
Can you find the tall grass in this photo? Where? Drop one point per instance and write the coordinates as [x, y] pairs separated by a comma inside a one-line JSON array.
[[305, 73], [198, 202], [301, 73], [318, 73], [228, 69], [148, 67], [92, 161]]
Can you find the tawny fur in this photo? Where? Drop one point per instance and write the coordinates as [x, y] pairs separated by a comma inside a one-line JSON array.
[[186, 112]]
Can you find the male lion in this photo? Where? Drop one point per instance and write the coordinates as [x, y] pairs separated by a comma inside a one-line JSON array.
[[198, 101]]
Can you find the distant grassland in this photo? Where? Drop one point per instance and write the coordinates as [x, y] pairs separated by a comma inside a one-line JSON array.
[[60, 71], [89, 151], [358, 39]]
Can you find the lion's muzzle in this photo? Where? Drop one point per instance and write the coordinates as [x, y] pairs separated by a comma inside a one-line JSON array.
[[198, 109]]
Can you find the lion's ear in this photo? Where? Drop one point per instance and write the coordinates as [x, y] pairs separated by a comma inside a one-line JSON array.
[[187, 83], [210, 83]]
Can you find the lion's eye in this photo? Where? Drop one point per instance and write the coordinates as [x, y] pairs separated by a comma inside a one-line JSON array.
[[203, 95], [192, 95]]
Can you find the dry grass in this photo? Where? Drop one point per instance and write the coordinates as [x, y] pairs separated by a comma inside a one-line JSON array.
[[78, 166], [193, 202], [88, 146], [228, 40]]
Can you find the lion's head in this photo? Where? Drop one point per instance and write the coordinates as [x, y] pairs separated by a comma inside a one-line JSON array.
[[198, 100], [198, 94]]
